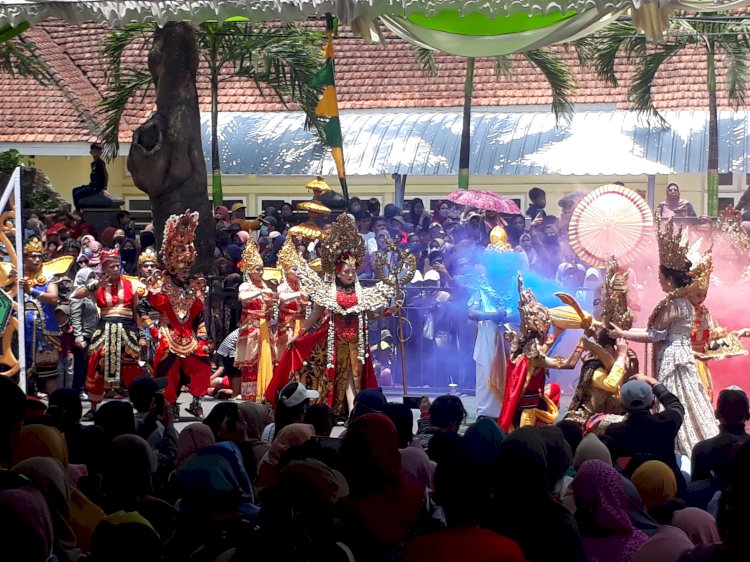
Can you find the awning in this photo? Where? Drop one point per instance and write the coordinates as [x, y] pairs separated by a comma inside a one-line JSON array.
[[424, 143]]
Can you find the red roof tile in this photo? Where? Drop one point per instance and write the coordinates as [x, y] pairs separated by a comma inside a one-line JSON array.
[[368, 76]]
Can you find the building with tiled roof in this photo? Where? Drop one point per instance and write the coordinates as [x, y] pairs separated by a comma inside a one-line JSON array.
[[395, 119]]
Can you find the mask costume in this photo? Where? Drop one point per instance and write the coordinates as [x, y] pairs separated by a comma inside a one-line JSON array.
[[334, 359], [255, 352], [182, 333], [293, 304]]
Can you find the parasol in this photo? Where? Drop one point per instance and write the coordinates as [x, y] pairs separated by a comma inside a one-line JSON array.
[[610, 221], [484, 200]]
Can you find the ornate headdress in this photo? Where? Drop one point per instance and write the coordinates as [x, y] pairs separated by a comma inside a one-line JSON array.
[[318, 185], [499, 240], [615, 308], [287, 257], [673, 247], [177, 249], [730, 223], [701, 272], [33, 246], [251, 257], [110, 256], [148, 256], [535, 317], [344, 245]]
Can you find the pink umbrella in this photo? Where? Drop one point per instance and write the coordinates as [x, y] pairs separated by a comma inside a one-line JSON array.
[[484, 200]]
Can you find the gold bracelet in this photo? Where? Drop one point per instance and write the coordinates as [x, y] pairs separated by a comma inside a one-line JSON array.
[[558, 362]]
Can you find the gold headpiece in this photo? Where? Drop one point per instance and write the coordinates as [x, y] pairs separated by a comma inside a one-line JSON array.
[[308, 230], [250, 257], [287, 258], [730, 223], [33, 246], [313, 207], [344, 245], [148, 256], [318, 185], [499, 240], [535, 317], [615, 298], [673, 248], [701, 272], [177, 249]]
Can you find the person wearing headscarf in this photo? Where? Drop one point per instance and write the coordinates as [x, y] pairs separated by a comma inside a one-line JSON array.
[[192, 439], [84, 317], [49, 476], [290, 436], [27, 532], [481, 444], [674, 205], [523, 505], [116, 418], [128, 484], [124, 537], [387, 507], [655, 482], [699, 526], [602, 516], [559, 459], [668, 544], [256, 417], [309, 497]]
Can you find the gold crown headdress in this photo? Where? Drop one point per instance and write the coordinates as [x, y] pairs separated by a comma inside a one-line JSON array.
[[535, 317], [701, 272], [673, 247], [499, 240], [615, 308], [177, 249], [148, 256], [318, 185], [344, 245], [250, 257], [33, 246], [287, 258]]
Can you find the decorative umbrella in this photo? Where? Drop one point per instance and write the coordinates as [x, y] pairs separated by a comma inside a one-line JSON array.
[[484, 200], [610, 221]]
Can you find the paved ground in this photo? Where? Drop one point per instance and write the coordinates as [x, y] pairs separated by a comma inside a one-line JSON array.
[[208, 403]]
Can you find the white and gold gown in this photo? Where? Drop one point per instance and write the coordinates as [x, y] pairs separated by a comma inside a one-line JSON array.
[[675, 368]]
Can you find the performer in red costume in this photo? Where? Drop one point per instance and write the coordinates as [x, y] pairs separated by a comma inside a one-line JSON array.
[[178, 298], [528, 363], [334, 359], [115, 347]]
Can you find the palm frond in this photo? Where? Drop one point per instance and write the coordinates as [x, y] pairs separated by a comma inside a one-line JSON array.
[[560, 80], [18, 57], [646, 68], [736, 52], [602, 51], [123, 83], [502, 66], [426, 58]]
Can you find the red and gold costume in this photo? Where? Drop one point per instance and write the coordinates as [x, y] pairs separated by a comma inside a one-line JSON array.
[[181, 347], [255, 352], [114, 350], [292, 303], [334, 357]]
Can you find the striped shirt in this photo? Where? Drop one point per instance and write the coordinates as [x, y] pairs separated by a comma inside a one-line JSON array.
[[228, 347]]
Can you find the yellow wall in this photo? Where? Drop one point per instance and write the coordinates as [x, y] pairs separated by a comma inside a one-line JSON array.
[[68, 172]]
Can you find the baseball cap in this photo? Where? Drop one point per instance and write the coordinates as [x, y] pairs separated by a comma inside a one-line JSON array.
[[636, 395], [295, 393]]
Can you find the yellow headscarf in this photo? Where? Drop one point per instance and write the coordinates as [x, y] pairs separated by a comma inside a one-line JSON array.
[[655, 482], [39, 441]]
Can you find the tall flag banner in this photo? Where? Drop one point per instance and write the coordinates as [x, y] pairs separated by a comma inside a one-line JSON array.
[[328, 106]]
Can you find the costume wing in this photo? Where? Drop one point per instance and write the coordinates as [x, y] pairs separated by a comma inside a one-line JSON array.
[[58, 266]]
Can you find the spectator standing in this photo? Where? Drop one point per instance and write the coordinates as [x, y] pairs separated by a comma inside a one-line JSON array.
[[98, 179]]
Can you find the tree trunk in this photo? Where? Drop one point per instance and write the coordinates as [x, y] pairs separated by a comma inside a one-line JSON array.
[[712, 175], [465, 156], [216, 188], [166, 157]]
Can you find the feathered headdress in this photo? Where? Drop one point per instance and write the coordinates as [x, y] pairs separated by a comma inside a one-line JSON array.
[[287, 257], [250, 257], [344, 245], [148, 256], [177, 249], [615, 308], [33, 246], [673, 247]]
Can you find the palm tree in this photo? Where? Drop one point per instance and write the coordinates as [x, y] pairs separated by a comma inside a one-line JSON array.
[[555, 71], [18, 55], [281, 59], [717, 35]]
